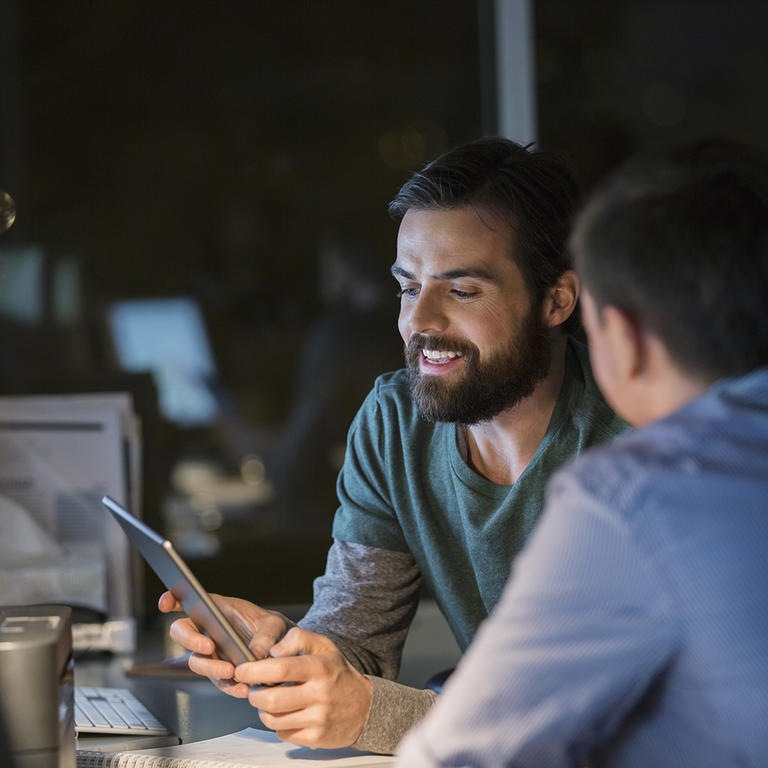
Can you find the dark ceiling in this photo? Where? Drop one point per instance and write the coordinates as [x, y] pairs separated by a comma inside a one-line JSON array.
[[210, 148]]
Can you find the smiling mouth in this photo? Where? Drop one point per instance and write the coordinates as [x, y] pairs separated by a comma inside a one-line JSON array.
[[440, 357]]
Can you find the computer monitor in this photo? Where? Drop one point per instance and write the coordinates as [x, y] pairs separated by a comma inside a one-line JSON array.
[[39, 289], [168, 337], [22, 284]]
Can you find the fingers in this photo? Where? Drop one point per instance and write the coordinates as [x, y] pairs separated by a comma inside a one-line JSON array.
[[219, 673], [325, 710], [186, 634], [308, 692], [265, 633], [167, 603], [299, 657], [292, 669], [300, 641], [231, 688], [298, 713], [207, 666], [261, 628]]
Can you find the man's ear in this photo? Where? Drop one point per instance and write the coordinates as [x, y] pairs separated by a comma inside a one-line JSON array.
[[560, 301], [626, 340]]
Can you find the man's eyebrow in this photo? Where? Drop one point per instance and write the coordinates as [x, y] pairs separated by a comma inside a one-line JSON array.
[[400, 272], [452, 274]]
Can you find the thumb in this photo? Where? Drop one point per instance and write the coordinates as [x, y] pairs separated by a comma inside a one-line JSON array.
[[167, 603], [297, 642]]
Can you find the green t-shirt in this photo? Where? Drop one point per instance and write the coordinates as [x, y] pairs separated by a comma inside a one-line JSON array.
[[405, 487]]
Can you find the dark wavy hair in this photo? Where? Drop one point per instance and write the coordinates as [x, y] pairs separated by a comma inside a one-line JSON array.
[[679, 238], [534, 192]]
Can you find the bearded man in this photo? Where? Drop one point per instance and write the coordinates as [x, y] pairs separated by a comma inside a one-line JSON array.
[[447, 459]]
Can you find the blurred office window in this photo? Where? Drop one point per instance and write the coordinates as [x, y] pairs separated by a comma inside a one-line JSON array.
[[206, 148], [614, 77], [242, 154]]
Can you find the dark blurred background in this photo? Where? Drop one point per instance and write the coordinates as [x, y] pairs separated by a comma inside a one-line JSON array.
[[241, 155]]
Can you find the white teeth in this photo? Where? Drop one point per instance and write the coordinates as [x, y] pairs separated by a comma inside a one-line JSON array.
[[439, 356]]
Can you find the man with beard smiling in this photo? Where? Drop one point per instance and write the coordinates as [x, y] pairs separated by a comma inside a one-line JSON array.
[[446, 460]]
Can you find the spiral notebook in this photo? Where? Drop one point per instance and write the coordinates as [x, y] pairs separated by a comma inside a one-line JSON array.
[[249, 748]]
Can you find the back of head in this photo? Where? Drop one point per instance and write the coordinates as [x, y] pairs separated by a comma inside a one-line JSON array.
[[679, 239], [534, 192]]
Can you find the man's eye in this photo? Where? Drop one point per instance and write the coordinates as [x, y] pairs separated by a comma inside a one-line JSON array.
[[409, 292], [462, 294]]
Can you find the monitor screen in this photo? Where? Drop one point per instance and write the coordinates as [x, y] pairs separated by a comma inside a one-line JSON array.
[[22, 284], [168, 337]]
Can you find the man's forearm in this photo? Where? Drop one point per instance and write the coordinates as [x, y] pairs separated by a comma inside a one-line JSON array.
[[365, 603]]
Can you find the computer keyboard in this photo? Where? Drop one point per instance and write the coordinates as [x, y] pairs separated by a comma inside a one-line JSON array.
[[112, 710]]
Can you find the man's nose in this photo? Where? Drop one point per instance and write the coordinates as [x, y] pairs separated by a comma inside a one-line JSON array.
[[427, 313]]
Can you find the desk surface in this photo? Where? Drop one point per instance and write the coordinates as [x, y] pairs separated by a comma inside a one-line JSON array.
[[191, 707]]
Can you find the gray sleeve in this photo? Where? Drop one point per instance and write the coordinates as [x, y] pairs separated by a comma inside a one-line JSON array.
[[395, 709], [365, 602]]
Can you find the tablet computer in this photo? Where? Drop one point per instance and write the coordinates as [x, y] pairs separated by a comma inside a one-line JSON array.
[[171, 569]]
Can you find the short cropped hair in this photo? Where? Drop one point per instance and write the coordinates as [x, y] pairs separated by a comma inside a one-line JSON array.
[[678, 238], [534, 192]]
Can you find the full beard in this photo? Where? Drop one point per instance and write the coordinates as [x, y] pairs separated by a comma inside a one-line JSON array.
[[486, 388]]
